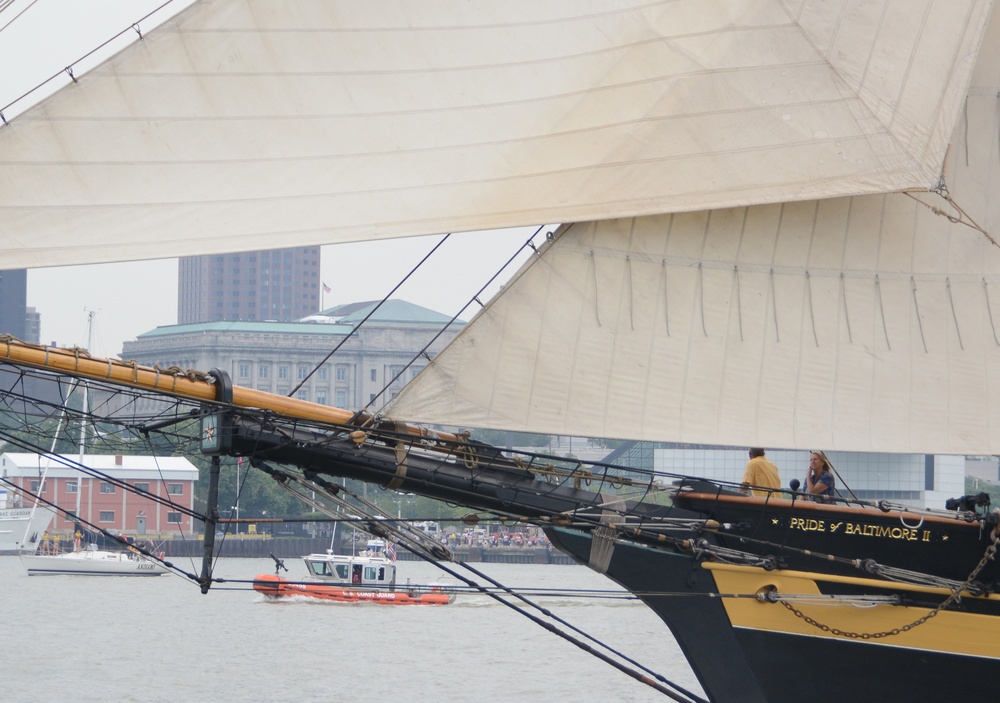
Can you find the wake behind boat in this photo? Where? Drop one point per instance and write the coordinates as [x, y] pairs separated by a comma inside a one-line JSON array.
[[367, 577]]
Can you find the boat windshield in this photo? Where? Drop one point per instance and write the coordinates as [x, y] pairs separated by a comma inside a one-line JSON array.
[[320, 567]]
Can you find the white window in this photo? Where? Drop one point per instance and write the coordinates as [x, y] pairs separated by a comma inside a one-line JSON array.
[[341, 373], [175, 488], [107, 487], [263, 370], [174, 518], [107, 516], [71, 486]]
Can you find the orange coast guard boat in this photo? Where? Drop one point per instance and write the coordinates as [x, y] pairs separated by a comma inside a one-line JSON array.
[[368, 577]]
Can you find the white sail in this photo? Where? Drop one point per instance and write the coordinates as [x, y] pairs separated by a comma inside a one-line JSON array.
[[248, 124], [869, 323]]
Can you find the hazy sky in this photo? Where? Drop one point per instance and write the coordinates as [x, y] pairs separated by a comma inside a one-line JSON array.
[[38, 38]]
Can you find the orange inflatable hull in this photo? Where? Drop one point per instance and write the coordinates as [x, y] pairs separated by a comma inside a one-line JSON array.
[[277, 587]]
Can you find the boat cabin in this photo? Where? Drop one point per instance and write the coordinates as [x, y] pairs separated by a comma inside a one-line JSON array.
[[368, 568]]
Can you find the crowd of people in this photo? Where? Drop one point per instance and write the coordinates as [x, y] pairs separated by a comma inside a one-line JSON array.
[[480, 538]]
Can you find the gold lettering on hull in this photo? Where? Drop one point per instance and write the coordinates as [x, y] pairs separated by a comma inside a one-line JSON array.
[[860, 529], [857, 529], [885, 531]]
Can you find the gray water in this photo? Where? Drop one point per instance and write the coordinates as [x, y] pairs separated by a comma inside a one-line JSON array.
[[79, 638]]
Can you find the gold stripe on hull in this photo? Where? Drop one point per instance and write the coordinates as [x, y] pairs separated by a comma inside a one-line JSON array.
[[949, 632]]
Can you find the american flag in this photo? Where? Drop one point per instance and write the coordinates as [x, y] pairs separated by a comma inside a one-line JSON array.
[[390, 551], [326, 288]]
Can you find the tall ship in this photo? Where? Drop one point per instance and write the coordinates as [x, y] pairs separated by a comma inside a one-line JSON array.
[[777, 227]]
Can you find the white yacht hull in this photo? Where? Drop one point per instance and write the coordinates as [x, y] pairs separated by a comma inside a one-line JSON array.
[[92, 563]]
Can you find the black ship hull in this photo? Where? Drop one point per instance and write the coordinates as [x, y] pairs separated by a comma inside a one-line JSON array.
[[770, 599], [737, 659]]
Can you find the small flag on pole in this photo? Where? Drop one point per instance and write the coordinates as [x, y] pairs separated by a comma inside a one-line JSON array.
[[326, 288], [390, 551]]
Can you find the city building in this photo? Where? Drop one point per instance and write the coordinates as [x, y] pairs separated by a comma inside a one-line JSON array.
[[103, 501], [275, 284], [13, 302], [373, 361], [32, 326]]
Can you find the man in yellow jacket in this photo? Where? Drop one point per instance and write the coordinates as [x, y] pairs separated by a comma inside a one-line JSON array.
[[760, 474]]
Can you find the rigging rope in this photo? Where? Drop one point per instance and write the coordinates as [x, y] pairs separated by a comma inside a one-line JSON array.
[[384, 525], [474, 299]]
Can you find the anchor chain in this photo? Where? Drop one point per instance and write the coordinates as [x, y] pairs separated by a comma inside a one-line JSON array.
[[956, 594]]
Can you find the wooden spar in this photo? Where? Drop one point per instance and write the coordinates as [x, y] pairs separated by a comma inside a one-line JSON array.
[[193, 385]]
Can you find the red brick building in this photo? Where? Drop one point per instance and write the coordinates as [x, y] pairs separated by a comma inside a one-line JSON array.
[[102, 500]]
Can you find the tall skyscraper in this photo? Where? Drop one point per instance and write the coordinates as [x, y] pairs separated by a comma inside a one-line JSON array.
[[276, 284], [13, 302]]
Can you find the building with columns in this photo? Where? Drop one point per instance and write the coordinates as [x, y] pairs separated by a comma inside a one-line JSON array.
[[372, 362]]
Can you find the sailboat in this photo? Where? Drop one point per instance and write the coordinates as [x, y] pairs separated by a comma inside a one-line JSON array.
[[779, 229], [89, 559]]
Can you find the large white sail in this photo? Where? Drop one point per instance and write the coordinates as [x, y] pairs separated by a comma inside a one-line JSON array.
[[247, 124], [869, 323]]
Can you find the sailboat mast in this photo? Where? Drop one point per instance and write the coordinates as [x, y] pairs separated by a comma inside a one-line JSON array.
[[83, 415]]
